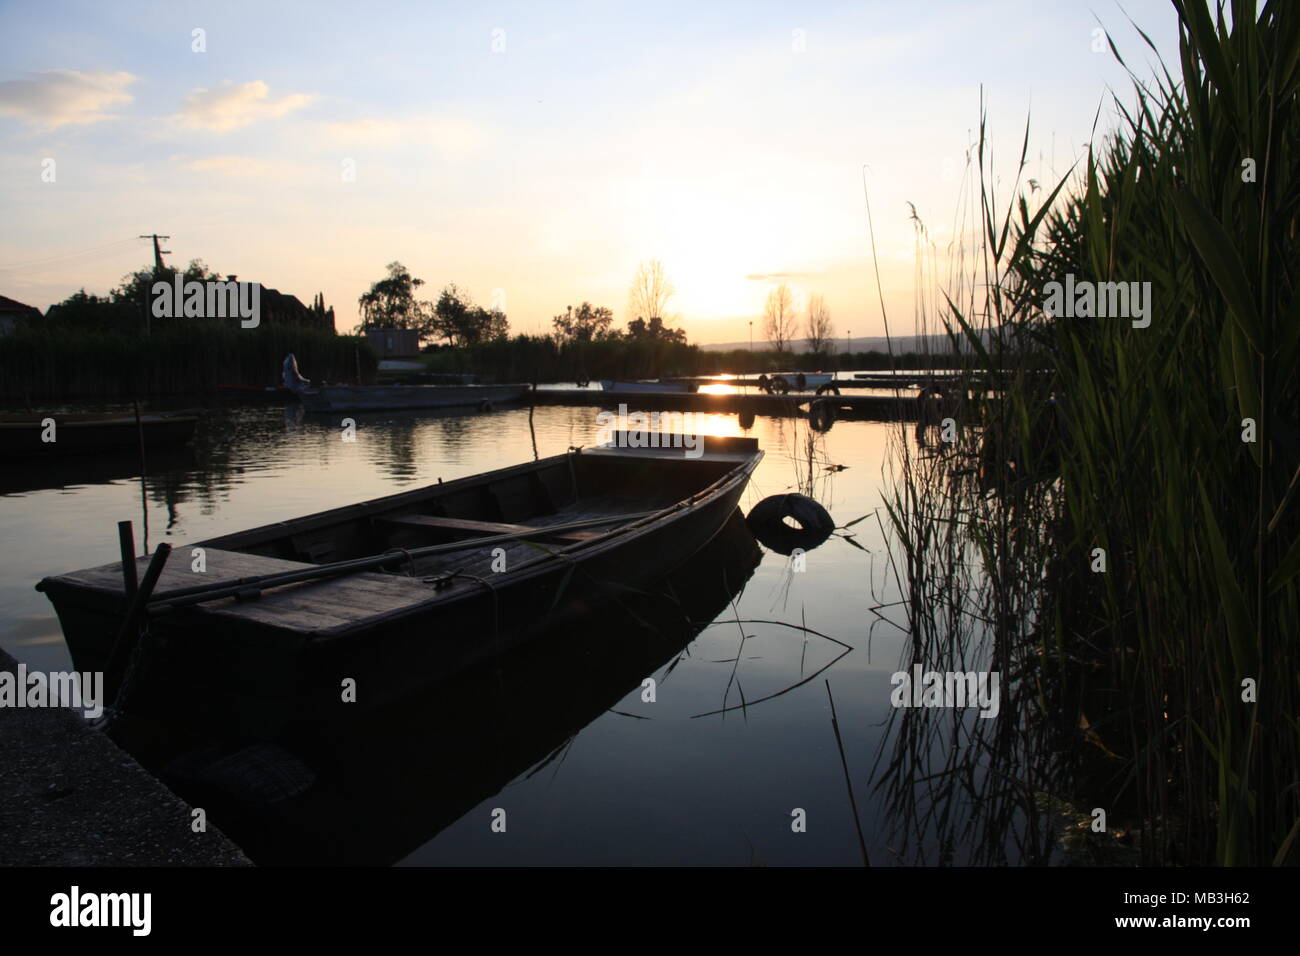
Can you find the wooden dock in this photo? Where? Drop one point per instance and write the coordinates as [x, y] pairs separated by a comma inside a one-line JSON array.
[[871, 407]]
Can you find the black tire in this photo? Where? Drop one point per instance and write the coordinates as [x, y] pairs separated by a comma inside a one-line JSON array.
[[766, 521], [822, 415], [830, 388]]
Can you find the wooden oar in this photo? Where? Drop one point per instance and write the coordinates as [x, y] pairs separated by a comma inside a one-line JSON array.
[[252, 587]]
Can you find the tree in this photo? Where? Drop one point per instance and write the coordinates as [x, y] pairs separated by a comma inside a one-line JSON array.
[[778, 317], [457, 319], [98, 312], [648, 298], [391, 303], [820, 330], [138, 286], [494, 323], [654, 330], [584, 324], [123, 307]]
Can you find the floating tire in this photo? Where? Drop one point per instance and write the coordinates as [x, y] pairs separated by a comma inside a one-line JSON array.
[[822, 415], [767, 521]]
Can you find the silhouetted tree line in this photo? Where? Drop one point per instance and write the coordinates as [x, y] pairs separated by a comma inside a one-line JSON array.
[[126, 308], [557, 358]]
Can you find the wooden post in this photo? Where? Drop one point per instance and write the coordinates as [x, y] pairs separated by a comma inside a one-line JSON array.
[[126, 546], [128, 634]]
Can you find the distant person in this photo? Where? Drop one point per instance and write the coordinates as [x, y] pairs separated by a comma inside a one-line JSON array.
[[292, 377]]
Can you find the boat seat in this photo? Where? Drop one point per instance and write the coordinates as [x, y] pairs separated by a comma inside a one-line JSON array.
[[454, 528]]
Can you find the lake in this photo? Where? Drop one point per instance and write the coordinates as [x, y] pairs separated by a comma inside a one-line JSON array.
[[737, 740]]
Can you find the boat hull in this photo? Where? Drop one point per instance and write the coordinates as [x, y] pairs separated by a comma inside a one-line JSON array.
[[338, 398]]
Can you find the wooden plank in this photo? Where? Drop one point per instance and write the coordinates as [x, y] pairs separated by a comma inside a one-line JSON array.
[[468, 528], [220, 566]]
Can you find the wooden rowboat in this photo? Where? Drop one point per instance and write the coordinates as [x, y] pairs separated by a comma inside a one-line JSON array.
[[403, 591], [91, 433], [340, 398]]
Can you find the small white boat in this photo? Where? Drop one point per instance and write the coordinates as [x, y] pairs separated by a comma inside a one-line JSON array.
[[799, 381]]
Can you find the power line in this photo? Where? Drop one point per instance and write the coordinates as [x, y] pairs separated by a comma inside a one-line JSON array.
[[64, 255]]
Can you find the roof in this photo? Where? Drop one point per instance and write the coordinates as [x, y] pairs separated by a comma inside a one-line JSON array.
[[13, 306]]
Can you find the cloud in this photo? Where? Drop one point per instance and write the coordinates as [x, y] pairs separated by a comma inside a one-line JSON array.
[[233, 106], [63, 97]]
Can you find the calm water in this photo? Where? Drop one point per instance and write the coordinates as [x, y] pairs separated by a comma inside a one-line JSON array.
[[641, 782]]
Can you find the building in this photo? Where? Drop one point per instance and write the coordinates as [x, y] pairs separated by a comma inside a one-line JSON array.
[[394, 343], [12, 312], [282, 308]]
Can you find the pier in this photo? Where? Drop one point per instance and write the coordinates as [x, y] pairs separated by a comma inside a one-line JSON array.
[[873, 407], [69, 796]]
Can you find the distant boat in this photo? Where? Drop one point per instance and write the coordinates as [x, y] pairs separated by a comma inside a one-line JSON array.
[[83, 433], [660, 385], [791, 381], [401, 592], [339, 398]]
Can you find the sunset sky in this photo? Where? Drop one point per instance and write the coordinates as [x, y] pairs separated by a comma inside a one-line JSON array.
[[539, 152]]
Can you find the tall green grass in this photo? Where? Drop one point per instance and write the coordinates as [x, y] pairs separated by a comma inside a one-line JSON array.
[[1100, 435]]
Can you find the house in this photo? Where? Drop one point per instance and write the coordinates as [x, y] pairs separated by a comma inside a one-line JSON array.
[[394, 343], [281, 308], [13, 312]]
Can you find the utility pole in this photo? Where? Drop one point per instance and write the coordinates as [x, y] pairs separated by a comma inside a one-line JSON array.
[[158, 252]]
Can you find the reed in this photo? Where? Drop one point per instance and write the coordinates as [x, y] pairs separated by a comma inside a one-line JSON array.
[[1098, 434]]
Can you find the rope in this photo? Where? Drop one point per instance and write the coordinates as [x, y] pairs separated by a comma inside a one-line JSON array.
[[133, 667]]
